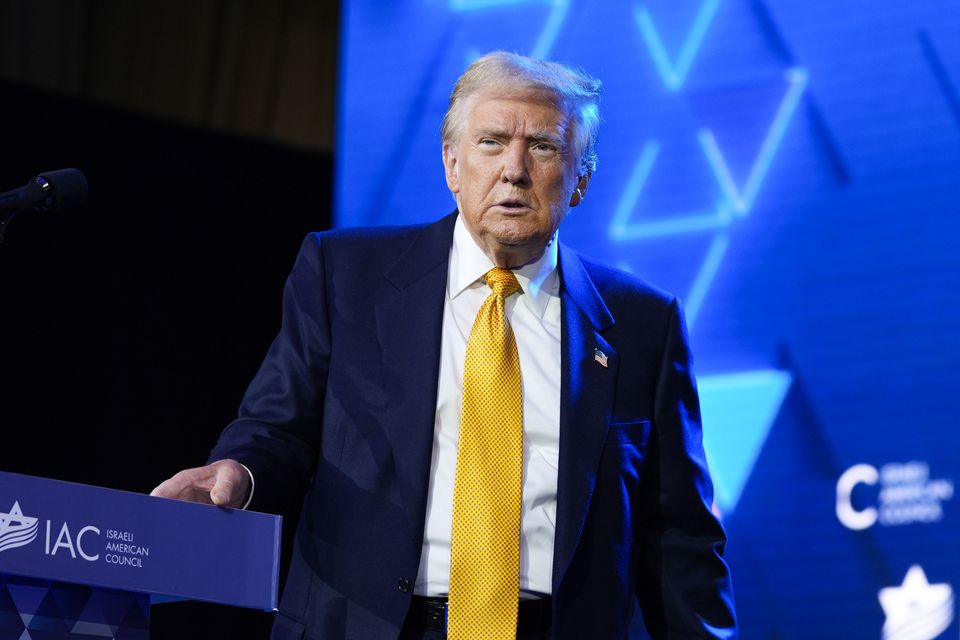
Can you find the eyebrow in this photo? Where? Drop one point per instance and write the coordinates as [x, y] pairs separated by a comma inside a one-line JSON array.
[[556, 139]]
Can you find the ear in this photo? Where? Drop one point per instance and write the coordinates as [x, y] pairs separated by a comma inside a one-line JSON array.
[[581, 190], [450, 167]]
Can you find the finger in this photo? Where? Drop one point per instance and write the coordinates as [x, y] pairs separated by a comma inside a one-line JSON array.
[[192, 485], [170, 488], [160, 490]]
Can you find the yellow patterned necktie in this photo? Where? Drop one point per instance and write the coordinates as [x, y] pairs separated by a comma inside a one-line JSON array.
[[485, 543]]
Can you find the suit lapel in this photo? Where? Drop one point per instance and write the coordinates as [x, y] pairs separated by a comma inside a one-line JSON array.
[[587, 393], [409, 326]]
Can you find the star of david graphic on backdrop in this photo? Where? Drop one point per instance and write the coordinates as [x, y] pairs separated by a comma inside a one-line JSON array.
[[788, 170], [739, 407]]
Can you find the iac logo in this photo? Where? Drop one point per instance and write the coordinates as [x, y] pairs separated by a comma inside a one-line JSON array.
[[895, 494], [16, 529]]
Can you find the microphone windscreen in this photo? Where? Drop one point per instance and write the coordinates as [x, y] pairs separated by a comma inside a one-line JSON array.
[[69, 188]]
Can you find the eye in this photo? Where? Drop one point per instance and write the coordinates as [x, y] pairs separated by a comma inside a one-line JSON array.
[[544, 148]]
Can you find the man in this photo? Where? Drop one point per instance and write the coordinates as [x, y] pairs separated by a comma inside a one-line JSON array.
[[477, 412]]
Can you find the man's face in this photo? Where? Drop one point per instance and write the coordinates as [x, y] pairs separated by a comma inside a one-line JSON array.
[[514, 173]]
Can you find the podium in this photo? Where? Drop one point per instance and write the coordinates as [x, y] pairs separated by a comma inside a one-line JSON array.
[[86, 562]]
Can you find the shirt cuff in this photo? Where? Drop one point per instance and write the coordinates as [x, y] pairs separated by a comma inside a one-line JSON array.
[[252, 486]]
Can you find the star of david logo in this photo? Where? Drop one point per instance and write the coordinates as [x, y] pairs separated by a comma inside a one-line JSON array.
[[16, 529], [916, 610]]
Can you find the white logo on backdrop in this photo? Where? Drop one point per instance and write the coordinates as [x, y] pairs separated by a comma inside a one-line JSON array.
[[906, 495], [16, 529], [916, 610]]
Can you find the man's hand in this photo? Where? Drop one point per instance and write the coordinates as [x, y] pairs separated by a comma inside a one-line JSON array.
[[224, 483]]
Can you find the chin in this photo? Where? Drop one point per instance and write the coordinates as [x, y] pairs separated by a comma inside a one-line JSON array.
[[517, 238], [522, 250]]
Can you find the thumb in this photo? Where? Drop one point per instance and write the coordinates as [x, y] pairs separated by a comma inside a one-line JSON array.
[[224, 487]]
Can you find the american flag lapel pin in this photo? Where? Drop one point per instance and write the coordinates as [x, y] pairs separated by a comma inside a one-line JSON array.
[[600, 357]]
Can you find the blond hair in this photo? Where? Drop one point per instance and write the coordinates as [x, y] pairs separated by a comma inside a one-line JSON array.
[[576, 92]]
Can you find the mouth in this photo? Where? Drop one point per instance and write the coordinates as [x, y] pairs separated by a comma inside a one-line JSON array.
[[513, 204]]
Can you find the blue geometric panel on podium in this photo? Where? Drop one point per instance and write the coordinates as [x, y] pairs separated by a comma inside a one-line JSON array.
[[47, 610]]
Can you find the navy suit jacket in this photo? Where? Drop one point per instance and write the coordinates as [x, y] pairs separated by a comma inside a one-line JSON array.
[[342, 412]]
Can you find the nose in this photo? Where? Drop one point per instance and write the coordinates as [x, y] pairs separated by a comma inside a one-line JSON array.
[[515, 169]]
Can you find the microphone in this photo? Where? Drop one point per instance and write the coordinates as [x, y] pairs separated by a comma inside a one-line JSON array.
[[49, 191]]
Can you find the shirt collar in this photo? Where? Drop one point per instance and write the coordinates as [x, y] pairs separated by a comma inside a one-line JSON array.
[[468, 265]]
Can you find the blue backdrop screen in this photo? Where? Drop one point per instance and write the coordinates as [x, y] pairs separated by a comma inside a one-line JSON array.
[[792, 171]]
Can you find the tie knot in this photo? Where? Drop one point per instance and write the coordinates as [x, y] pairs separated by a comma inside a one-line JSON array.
[[502, 282]]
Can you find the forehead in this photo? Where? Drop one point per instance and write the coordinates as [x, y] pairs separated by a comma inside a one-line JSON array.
[[516, 109]]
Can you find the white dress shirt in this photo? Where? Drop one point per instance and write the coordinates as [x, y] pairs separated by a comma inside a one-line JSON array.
[[534, 316]]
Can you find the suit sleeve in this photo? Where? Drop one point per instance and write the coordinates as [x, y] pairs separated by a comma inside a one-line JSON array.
[[684, 584], [278, 429]]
